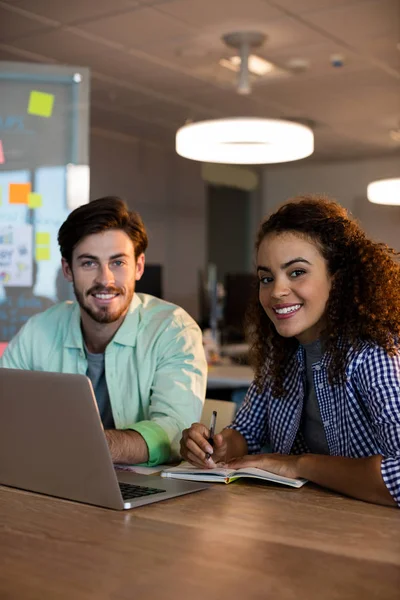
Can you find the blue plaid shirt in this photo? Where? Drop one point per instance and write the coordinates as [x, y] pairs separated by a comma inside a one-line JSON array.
[[361, 417]]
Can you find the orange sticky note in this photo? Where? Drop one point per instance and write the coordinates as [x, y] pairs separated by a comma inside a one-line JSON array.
[[19, 192], [2, 161]]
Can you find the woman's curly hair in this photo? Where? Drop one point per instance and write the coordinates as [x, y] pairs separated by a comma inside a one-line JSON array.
[[364, 301]]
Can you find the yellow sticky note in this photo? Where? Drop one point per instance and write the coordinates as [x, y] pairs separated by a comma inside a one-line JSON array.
[[34, 200], [42, 239], [42, 253], [18, 193], [40, 104]]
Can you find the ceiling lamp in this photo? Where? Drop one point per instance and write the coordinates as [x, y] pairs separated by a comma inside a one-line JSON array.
[[244, 140], [384, 191], [257, 65]]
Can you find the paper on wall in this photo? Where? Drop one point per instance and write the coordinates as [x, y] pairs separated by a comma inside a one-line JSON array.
[[16, 255]]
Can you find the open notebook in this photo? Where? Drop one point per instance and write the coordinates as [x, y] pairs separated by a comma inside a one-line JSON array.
[[187, 471]]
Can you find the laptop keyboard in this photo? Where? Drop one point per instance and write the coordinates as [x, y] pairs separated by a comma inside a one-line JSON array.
[[130, 491]]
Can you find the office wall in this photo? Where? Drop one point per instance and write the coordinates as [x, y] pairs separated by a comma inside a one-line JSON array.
[[169, 194], [228, 221], [347, 182]]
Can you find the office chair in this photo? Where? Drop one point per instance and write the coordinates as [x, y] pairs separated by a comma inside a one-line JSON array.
[[225, 409]]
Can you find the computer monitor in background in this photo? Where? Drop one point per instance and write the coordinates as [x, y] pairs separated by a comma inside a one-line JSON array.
[[151, 281], [204, 300], [239, 288]]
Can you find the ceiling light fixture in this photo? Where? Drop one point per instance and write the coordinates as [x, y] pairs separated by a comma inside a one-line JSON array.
[[243, 42], [244, 140], [384, 191], [257, 65]]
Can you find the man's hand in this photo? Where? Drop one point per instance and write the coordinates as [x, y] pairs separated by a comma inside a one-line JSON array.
[[285, 465], [195, 446]]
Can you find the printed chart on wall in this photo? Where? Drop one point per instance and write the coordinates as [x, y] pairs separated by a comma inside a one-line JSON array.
[[16, 255], [43, 120]]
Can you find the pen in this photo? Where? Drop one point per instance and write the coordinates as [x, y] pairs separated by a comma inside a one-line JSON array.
[[212, 431]]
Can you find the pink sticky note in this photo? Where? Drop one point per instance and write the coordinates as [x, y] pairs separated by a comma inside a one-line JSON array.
[[1, 153]]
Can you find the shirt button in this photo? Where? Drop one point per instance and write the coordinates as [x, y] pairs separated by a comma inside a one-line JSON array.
[[317, 367], [321, 386], [326, 423]]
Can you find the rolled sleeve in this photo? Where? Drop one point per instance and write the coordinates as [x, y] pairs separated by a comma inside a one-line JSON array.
[[156, 439], [380, 381], [390, 470], [179, 385]]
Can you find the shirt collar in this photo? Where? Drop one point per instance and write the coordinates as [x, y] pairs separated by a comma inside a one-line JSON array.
[[126, 334], [74, 334]]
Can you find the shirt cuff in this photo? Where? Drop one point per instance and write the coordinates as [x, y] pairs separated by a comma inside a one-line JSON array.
[[390, 470], [157, 441], [253, 446]]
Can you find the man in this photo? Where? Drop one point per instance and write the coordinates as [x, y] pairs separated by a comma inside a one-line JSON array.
[[144, 356]]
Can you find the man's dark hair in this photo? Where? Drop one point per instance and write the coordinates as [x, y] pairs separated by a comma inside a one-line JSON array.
[[98, 216]]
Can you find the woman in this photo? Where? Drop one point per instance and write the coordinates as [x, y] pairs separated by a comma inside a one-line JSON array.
[[323, 330]]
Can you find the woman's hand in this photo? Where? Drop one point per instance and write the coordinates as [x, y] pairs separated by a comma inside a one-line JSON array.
[[195, 446], [285, 465]]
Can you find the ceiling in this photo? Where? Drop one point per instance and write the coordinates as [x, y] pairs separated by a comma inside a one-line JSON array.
[[154, 63]]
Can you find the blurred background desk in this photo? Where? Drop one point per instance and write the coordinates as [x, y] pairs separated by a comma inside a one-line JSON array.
[[229, 376], [229, 382], [242, 540]]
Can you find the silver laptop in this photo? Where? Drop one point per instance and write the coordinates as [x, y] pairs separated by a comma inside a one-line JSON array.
[[52, 442]]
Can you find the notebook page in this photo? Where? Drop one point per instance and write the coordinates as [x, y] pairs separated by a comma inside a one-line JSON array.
[[186, 467], [262, 474]]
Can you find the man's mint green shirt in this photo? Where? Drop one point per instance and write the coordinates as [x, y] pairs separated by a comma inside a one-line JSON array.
[[155, 366]]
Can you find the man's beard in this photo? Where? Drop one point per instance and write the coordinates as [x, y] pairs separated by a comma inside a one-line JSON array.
[[103, 314]]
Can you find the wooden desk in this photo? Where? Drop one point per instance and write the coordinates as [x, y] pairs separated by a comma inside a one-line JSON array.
[[229, 376], [245, 541]]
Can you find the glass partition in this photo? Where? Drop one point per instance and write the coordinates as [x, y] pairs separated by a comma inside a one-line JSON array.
[[44, 132]]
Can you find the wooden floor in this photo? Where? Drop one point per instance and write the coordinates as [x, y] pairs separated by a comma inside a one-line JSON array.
[[245, 540]]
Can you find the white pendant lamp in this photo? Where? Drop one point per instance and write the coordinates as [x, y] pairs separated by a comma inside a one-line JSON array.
[[244, 140], [384, 191]]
